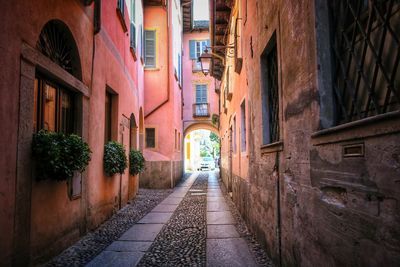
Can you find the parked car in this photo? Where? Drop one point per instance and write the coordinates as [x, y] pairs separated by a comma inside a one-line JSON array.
[[206, 163]]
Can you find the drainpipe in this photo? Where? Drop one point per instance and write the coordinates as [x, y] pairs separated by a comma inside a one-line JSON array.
[[168, 66], [278, 204]]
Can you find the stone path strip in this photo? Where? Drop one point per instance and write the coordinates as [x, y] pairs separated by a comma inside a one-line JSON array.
[[225, 247], [95, 242], [129, 249]]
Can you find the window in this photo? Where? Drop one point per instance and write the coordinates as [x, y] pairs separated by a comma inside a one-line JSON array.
[[201, 107], [53, 107], [150, 137], [270, 93], [196, 49], [108, 117], [150, 48], [133, 25], [365, 52], [243, 126], [121, 13], [201, 93]]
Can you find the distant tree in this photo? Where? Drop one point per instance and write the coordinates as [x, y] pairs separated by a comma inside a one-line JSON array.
[[214, 138]]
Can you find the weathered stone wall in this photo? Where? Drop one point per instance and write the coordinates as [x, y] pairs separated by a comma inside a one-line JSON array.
[[307, 202], [161, 174]]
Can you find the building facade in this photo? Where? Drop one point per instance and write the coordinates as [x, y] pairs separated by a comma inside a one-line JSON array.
[[200, 94], [163, 95], [73, 67], [309, 126]]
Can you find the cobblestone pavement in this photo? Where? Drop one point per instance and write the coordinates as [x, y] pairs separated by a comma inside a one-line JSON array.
[[94, 242], [182, 242]]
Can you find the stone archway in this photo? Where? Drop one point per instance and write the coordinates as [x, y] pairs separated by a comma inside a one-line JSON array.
[[191, 145]]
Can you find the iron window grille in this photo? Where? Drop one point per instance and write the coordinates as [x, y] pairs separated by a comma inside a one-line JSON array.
[[270, 93], [366, 53]]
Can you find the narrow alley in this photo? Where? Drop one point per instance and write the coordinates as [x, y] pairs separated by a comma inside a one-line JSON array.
[[200, 133], [196, 224]]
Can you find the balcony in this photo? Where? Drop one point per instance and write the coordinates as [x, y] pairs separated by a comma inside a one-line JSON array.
[[196, 65], [201, 110]]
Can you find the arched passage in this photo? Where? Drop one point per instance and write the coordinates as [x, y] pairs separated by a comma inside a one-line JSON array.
[[201, 147]]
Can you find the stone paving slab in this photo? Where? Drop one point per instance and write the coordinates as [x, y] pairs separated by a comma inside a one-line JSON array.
[[178, 194], [172, 200], [120, 259], [129, 246], [221, 231], [156, 217], [142, 232], [165, 208], [230, 252], [220, 217], [214, 194], [217, 199], [217, 206]]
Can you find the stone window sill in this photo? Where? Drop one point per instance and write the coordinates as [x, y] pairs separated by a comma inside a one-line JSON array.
[[273, 147], [369, 127]]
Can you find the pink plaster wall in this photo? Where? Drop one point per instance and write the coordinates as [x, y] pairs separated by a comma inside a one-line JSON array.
[[191, 78], [162, 90]]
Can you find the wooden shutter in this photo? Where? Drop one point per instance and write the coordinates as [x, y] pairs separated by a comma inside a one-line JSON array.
[[192, 48], [133, 35], [201, 93]]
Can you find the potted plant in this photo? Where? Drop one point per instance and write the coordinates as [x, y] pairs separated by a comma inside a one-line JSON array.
[[57, 156], [115, 160], [136, 162]]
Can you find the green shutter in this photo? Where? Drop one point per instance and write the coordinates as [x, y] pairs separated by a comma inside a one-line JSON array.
[[192, 48]]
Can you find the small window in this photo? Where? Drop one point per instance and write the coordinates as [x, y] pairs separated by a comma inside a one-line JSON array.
[[53, 107], [121, 13], [243, 126], [133, 24], [150, 48], [270, 93], [108, 117], [150, 137]]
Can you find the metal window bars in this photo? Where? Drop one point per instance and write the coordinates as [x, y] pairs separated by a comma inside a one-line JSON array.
[[273, 94], [366, 52]]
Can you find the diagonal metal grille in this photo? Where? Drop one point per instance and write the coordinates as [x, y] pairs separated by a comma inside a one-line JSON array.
[[366, 52], [273, 96]]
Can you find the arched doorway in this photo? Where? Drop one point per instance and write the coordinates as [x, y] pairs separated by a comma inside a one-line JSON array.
[[201, 147]]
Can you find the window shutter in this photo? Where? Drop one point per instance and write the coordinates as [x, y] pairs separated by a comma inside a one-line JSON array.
[[192, 47], [150, 49], [133, 35]]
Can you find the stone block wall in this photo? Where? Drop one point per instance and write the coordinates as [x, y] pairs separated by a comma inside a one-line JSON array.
[[161, 174]]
